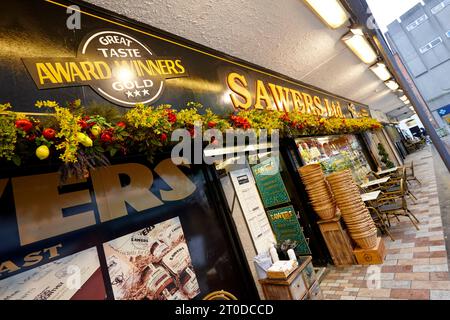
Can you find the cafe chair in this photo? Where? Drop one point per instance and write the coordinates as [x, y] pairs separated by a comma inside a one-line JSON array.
[[380, 222], [411, 176], [393, 185], [220, 295], [394, 204]]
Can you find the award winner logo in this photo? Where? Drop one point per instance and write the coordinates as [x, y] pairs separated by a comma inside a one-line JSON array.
[[117, 66]]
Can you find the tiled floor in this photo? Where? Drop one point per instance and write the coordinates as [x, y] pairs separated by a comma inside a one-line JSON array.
[[416, 264]]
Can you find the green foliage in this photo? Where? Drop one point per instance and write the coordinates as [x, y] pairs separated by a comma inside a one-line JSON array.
[[385, 157], [8, 133]]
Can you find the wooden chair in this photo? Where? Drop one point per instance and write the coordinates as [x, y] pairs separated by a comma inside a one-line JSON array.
[[394, 204], [393, 185], [380, 222], [411, 176], [220, 295]]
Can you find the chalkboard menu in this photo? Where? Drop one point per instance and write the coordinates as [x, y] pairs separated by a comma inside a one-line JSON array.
[[286, 227], [270, 184]]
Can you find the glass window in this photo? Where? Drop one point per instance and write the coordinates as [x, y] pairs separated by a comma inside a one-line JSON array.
[[335, 153], [430, 45], [417, 22], [440, 6]]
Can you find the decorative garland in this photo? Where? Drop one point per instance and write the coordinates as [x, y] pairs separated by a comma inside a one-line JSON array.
[[83, 138]]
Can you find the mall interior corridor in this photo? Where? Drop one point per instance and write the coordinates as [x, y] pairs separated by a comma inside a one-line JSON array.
[[416, 264]]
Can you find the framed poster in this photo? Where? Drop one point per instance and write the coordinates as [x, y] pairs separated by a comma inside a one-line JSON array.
[[253, 209], [286, 227], [270, 184], [153, 263]]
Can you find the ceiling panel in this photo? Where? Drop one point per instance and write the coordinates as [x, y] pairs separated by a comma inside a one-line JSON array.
[[284, 36]]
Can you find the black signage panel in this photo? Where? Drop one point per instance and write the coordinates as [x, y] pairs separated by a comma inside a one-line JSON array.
[[110, 59]]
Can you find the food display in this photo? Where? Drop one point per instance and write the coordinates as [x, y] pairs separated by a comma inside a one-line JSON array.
[[152, 264], [335, 153], [318, 191], [356, 216]]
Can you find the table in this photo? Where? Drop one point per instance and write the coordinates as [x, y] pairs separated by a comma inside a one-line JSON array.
[[370, 196], [387, 171], [375, 182]]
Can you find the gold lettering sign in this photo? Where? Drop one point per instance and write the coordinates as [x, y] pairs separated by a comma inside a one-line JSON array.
[[271, 96], [40, 204]]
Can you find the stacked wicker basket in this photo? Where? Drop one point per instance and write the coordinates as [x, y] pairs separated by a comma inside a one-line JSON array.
[[318, 190], [356, 216]]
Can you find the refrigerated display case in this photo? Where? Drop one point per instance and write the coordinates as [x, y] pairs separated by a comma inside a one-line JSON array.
[[335, 153]]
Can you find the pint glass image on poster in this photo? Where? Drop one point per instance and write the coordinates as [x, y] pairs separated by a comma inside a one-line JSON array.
[[152, 263]]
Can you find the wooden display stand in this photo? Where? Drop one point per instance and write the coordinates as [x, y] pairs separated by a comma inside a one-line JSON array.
[[292, 288], [338, 241], [371, 256]]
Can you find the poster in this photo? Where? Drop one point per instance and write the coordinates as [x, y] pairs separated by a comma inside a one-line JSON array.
[[286, 227], [253, 209], [76, 277], [270, 184], [153, 263]]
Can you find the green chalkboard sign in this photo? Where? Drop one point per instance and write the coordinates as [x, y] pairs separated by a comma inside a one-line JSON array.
[[270, 184], [285, 226]]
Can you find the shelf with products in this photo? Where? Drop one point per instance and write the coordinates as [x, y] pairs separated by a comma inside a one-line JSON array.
[[335, 153]]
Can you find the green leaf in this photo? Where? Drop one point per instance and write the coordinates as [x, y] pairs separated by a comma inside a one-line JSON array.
[[112, 152], [16, 160]]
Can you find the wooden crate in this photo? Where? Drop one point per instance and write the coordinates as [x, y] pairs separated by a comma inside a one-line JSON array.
[[315, 293], [371, 256], [293, 288], [338, 241]]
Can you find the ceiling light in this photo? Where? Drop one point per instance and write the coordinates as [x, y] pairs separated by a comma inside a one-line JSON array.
[[391, 84], [358, 43], [404, 98], [329, 11], [381, 71]]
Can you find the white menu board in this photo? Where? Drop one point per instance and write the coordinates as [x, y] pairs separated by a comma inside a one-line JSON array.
[[253, 209]]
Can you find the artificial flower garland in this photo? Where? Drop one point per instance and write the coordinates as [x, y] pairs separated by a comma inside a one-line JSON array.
[[82, 140]]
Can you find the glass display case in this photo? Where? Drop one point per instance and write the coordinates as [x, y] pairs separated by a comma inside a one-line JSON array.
[[335, 153]]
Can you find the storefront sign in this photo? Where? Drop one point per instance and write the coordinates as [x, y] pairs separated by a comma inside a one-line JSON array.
[[285, 225], [270, 183], [116, 61]]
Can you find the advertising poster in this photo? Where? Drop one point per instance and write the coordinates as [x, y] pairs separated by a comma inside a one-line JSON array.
[[253, 209], [75, 277], [286, 227], [270, 184], [153, 263]]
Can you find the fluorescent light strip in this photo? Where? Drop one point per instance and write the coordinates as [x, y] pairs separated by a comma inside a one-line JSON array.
[[358, 43], [329, 11], [391, 84], [381, 71]]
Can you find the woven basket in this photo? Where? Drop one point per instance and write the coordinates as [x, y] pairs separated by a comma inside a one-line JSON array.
[[326, 214]]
